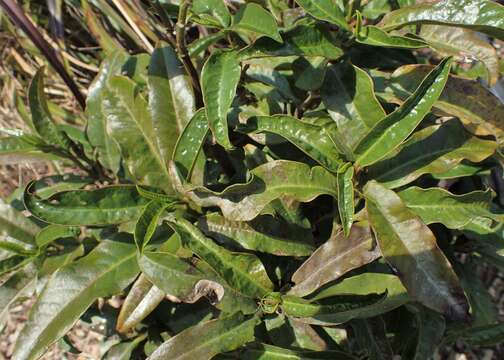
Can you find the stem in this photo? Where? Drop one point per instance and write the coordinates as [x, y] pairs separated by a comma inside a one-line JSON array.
[[180, 34]]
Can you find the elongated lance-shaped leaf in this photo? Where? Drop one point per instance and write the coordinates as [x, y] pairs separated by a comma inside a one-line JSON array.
[[20, 283], [243, 202], [437, 205], [123, 350], [374, 36], [54, 232], [96, 126], [147, 222], [13, 224], [219, 79], [334, 258], [335, 310], [178, 278], [396, 127], [171, 98], [14, 149], [264, 234], [348, 94], [477, 107], [142, 299], [326, 10], [130, 125], [311, 139], [371, 335], [205, 340], [291, 333], [486, 335], [433, 150], [410, 247], [431, 327], [108, 269], [253, 21], [108, 205], [190, 143], [243, 272], [346, 196], [41, 117], [480, 15], [270, 352]]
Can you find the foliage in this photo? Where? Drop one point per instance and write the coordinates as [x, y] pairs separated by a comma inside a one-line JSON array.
[[273, 179]]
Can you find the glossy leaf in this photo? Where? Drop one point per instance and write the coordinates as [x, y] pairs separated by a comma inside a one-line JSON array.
[[396, 127], [270, 352], [243, 202], [54, 232], [212, 11], [14, 225], [205, 340], [255, 22], [291, 333], [374, 36], [171, 98], [480, 15], [108, 205], [311, 139], [409, 246], [243, 272], [334, 258], [148, 222], [18, 284], [219, 79], [15, 149], [326, 10], [109, 268], [131, 126], [264, 234], [123, 350], [346, 196]]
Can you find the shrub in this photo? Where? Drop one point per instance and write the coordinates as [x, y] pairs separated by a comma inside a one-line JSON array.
[[273, 180]]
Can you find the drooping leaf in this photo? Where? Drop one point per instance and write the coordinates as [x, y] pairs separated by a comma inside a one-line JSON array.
[[148, 222], [436, 205], [205, 340], [264, 234], [54, 232], [374, 36], [190, 143], [108, 205], [243, 202], [433, 150], [243, 272], [142, 299], [14, 225], [213, 12], [391, 131], [18, 284], [21, 148], [254, 21], [311, 139], [109, 268], [480, 15], [334, 258], [219, 79], [130, 124], [171, 98], [346, 196], [487, 335], [291, 333], [123, 350], [409, 246], [326, 10], [349, 97]]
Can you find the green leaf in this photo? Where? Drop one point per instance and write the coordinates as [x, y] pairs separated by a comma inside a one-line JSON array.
[[205, 340], [372, 337], [20, 283], [480, 15], [202, 44], [346, 196], [243, 202], [142, 299], [270, 352], [326, 10], [488, 335], [348, 95], [291, 333], [311, 139], [264, 234], [190, 144], [396, 127], [107, 205], [334, 258], [171, 98], [148, 222], [130, 124], [243, 272], [14, 149], [431, 328], [14, 225], [219, 79], [41, 117], [334, 310], [255, 22], [433, 150], [374, 36], [462, 98], [409, 246], [457, 41], [437, 205], [108, 269], [54, 232], [123, 350], [213, 12]]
